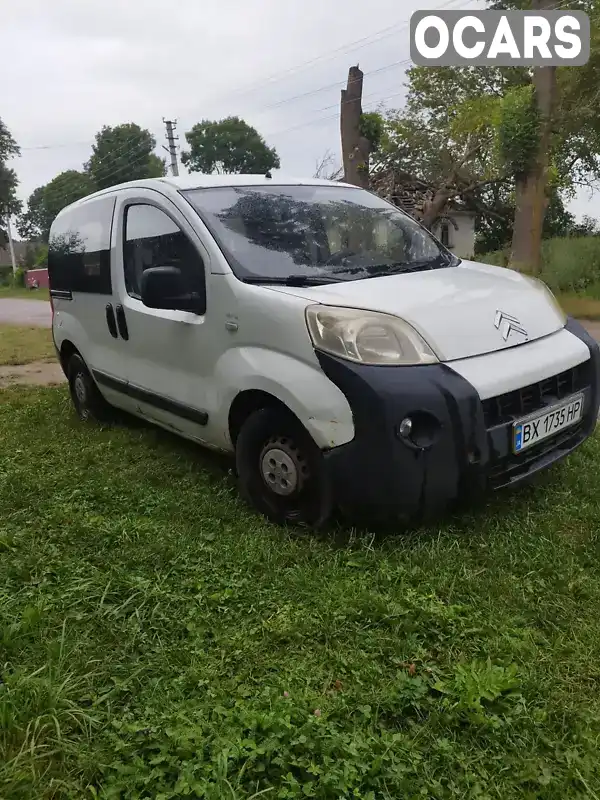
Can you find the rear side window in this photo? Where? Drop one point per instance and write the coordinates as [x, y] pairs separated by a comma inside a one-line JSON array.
[[79, 248], [153, 239]]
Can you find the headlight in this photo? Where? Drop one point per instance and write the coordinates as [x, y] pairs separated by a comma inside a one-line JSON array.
[[541, 287], [366, 337]]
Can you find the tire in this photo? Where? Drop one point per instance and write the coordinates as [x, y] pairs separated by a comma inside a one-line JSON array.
[[89, 403], [296, 491]]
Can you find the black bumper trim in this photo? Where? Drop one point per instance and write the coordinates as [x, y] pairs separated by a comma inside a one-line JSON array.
[[379, 472]]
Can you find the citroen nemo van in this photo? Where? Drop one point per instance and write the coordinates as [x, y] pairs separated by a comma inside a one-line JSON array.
[[324, 338]]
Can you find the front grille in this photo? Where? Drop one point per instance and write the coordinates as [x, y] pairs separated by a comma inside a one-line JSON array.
[[521, 402], [512, 466]]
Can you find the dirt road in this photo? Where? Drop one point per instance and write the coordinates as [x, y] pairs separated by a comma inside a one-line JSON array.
[[25, 312], [40, 373]]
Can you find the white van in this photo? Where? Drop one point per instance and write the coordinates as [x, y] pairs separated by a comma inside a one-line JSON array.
[[322, 336]]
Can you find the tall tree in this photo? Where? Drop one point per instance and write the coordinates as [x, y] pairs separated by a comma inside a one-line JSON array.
[[45, 202], [9, 203], [123, 153], [228, 146], [531, 181], [551, 136]]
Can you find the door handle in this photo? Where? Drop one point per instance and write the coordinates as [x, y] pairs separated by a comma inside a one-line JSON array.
[[111, 321], [122, 322]]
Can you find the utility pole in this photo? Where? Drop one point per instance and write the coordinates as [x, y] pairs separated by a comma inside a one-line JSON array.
[[172, 148], [11, 246]]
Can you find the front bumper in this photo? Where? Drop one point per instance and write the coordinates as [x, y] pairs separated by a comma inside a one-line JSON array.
[[462, 444]]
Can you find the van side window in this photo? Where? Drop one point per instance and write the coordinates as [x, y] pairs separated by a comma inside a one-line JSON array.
[[79, 248], [153, 239]]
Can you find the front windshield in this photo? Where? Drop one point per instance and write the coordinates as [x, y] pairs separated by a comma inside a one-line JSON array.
[[321, 232]]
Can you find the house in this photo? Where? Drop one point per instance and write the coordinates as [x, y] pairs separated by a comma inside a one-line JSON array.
[[455, 228], [33, 277]]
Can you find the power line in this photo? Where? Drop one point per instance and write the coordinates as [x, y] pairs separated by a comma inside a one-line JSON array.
[[337, 83], [316, 121], [359, 43]]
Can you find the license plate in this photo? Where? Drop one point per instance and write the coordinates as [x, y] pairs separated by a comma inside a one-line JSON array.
[[534, 429]]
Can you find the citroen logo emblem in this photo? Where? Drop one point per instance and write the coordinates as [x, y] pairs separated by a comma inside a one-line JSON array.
[[507, 325]]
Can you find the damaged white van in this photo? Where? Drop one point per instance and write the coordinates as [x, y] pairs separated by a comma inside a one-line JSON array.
[[321, 336]]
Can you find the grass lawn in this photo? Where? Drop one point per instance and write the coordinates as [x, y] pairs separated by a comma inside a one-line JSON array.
[[24, 294], [158, 640], [20, 345], [580, 306]]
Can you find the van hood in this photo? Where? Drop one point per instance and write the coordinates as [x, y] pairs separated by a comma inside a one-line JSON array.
[[461, 311]]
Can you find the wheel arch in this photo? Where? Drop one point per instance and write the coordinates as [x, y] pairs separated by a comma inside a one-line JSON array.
[[252, 377], [246, 403], [67, 350]]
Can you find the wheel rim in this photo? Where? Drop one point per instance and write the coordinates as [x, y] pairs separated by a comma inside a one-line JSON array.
[[80, 389], [283, 467]]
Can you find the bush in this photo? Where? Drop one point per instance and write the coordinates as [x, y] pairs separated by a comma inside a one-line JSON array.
[[5, 274], [498, 258], [571, 264], [19, 278]]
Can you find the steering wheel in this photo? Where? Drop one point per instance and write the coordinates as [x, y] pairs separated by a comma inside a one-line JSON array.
[[335, 259]]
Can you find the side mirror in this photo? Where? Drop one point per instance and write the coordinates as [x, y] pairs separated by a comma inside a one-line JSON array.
[[163, 287]]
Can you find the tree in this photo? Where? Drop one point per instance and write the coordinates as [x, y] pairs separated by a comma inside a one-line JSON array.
[[496, 213], [327, 168], [531, 179], [228, 146], [587, 227], [9, 203], [549, 134], [506, 140], [444, 144], [45, 202], [123, 153]]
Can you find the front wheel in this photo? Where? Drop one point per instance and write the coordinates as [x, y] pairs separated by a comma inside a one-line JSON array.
[[281, 470]]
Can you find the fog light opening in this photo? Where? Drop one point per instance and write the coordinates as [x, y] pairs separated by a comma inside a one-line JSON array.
[[419, 429]]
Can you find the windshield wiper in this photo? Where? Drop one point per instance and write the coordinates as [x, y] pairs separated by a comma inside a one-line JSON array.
[[395, 268], [292, 280]]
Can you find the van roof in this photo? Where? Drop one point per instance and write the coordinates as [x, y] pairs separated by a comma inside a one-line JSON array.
[[197, 180]]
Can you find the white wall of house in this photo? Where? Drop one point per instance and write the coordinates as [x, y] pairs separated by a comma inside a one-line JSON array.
[[462, 238]]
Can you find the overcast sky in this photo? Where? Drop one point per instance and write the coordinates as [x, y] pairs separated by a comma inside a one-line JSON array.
[[72, 66]]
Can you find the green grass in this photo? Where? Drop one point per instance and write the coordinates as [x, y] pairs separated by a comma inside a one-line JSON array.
[[158, 640], [24, 294], [22, 345]]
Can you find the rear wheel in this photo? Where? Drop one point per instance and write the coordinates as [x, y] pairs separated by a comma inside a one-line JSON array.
[[281, 470], [89, 403]]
